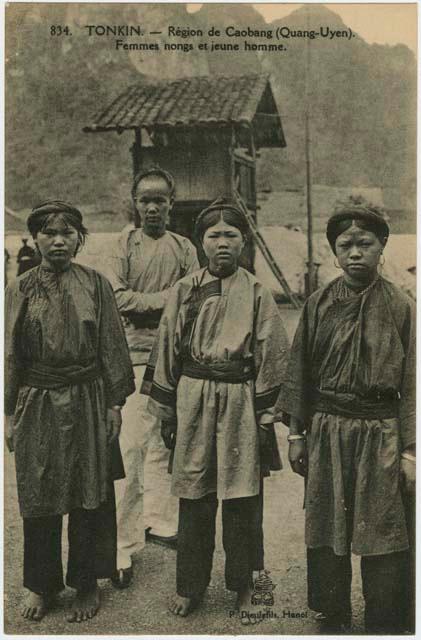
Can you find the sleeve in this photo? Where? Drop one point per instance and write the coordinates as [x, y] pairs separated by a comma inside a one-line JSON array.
[[113, 352], [14, 310], [163, 370], [129, 301], [407, 420], [270, 357], [191, 259], [294, 396]]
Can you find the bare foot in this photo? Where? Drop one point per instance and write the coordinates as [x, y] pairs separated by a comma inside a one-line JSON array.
[[85, 605], [246, 610], [181, 606], [35, 607]]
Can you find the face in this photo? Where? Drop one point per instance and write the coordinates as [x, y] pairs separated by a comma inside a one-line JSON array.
[[223, 244], [358, 252], [57, 243], [153, 202]]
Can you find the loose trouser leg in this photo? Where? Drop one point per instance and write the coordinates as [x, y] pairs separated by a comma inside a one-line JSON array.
[[92, 544], [42, 565], [196, 544], [129, 491], [160, 506], [259, 555], [329, 580], [242, 540], [385, 591], [409, 503]]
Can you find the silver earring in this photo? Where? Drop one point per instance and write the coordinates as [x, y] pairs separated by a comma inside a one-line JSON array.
[[337, 266]]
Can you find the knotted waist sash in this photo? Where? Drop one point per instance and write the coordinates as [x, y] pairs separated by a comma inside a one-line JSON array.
[[231, 371], [371, 407], [42, 376]]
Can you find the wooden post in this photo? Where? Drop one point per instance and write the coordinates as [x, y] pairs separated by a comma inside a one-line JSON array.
[[136, 151], [310, 256]]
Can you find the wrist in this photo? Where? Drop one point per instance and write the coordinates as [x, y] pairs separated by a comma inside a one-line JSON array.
[[405, 455], [296, 437]]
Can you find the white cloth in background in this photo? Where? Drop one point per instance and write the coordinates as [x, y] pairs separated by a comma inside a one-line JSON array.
[[144, 497]]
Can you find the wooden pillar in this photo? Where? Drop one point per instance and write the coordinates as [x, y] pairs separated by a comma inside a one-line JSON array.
[[136, 151]]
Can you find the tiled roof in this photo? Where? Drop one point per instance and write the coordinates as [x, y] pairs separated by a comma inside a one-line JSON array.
[[189, 102]]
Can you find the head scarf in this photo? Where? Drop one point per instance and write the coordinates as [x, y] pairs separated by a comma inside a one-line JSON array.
[[221, 208], [40, 212], [368, 218]]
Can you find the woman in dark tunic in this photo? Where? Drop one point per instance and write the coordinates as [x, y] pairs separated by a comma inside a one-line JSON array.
[[67, 374], [214, 378], [350, 394]]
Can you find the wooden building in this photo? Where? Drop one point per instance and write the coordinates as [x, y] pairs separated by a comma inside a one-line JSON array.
[[206, 131]]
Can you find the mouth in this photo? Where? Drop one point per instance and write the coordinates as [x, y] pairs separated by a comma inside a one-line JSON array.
[[358, 267], [58, 252], [224, 255]]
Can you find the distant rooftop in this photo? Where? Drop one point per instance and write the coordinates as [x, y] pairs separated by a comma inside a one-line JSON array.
[[196, 102]]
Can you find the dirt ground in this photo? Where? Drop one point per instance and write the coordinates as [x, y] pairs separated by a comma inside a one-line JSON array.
[[142, 609]]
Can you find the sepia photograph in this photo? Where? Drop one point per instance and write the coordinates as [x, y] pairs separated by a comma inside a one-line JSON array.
[[209, 318]]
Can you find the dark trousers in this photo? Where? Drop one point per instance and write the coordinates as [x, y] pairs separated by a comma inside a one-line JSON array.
[[242, 536], [92, 536], [385, 588]]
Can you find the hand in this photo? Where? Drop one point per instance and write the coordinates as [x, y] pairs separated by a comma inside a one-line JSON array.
[[169, 433], [8, 432], [298, 457], [113, 424], [408, 476]]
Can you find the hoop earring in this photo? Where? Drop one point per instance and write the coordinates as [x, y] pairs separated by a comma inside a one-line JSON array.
[[337, 266], [384, 260]]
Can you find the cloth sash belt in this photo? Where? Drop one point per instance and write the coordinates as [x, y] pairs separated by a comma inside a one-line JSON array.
[[231, 371], [42, 376], [372, 407]]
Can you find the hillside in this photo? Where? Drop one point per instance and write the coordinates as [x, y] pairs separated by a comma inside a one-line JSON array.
[[363, 102]]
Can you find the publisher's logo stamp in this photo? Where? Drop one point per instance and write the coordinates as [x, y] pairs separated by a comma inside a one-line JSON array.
[[263, 589]]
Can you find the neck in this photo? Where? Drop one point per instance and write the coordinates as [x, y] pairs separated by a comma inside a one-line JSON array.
[[360, 283], [222, 272], [155, 235], [58, 268]]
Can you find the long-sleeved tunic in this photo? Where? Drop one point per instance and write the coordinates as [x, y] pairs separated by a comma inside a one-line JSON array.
[[66, 362], [142, 271], [230, 327], [351, 381]]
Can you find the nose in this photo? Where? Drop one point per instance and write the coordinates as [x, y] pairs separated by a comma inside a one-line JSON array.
[[152, 207], [222, 242], [58, 240], [355, 252]]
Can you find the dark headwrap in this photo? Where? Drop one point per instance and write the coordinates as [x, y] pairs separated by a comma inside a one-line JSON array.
[[221, 209], [41, 213], [367, 218]]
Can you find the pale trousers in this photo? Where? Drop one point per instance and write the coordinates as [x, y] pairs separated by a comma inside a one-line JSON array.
[[143, 497]]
